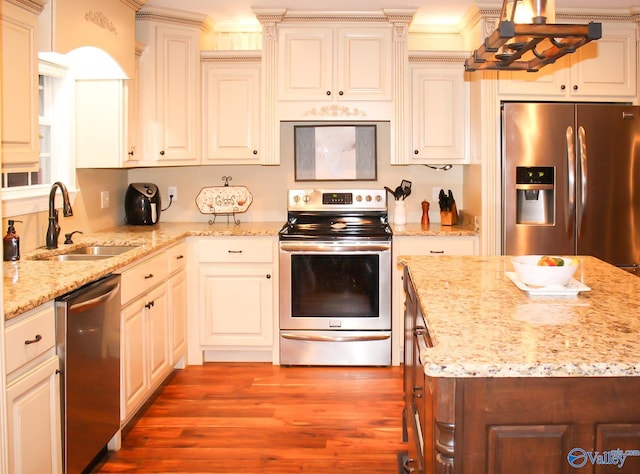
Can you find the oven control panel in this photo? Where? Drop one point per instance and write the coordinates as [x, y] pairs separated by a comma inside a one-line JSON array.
[[327, 200]]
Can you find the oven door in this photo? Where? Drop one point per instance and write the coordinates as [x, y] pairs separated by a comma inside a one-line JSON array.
[[335, 285]]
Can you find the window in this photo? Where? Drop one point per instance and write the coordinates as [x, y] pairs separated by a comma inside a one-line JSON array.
[[25, 192]]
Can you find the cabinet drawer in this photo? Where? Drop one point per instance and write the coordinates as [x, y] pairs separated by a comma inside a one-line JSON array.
[[250, 249], [177, 256], [30, 337], [143, 277]]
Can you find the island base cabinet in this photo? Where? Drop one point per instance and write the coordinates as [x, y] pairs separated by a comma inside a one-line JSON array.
[[538, 425]]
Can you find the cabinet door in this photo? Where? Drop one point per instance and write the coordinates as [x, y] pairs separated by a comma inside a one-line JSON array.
[[19, 87], [551, 81], [236, 305], [440, 114], [135, 372], [101, 123], [158, 333], [33, 421], [305, 64], [178, 315], [607, 67], [177, 94], [363, 66], [231, 112]]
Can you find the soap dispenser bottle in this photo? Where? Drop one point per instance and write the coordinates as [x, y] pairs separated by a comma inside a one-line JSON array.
[[11, 243]]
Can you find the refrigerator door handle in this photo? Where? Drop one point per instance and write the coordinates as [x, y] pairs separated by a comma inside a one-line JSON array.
[[582, 143], [570, 201]]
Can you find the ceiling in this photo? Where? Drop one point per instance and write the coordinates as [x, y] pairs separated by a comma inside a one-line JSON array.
[[443, 12]]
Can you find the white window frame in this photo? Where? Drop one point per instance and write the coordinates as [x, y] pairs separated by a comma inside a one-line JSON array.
[[33, 199]]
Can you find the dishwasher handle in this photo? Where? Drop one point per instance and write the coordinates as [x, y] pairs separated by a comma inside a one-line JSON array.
[[93, 294]]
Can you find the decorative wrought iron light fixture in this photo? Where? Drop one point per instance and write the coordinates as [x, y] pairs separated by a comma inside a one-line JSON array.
[[525, 41]]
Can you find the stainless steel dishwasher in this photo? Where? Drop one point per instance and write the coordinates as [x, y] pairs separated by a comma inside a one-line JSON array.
[[88, 343]]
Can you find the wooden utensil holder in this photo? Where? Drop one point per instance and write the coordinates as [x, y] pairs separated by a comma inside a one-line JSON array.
[[446, 218]]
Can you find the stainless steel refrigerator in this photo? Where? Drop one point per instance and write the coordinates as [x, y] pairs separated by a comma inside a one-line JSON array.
[[571, 180]]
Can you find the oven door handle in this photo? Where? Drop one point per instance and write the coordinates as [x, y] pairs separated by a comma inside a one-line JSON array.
[[310, 337], [315, 247]]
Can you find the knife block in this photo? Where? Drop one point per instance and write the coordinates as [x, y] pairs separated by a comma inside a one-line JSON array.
[[446, 218]]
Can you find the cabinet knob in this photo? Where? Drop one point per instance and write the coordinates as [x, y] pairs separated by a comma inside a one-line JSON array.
[[162, 152], [255, 152], [131, 153], [575, 87], [341, 93], [328, 92], [268, 276], [415, 152], [563, 87]]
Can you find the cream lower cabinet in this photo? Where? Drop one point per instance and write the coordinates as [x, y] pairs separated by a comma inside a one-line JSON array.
[[419, 245], [235, 299], [33, 393], [152, 317], [177, 293]]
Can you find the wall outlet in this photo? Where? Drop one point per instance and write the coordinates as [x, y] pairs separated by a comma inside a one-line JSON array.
[[173, 191], [104, 199]]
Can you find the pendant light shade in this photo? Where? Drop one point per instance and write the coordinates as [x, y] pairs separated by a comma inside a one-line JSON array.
[[527, 39]]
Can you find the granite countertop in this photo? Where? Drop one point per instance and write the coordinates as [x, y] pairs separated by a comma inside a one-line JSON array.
[[29, 282], [482, 325], [435, 229]]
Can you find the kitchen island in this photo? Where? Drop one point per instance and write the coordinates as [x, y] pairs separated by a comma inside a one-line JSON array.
[[497, 380]]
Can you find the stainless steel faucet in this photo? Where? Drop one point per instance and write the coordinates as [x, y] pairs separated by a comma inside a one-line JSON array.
[[53, 231]]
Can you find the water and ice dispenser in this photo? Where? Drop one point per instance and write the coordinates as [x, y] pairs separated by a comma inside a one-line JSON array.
[[535, 195]]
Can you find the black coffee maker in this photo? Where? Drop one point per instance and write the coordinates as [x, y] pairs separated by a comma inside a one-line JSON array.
[[142, 204]]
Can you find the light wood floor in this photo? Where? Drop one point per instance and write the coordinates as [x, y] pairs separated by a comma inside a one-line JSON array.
[[259, 418]]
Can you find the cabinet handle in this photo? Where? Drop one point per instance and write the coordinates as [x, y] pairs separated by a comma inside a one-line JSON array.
[[341, 93], [162, 152], [150, 275], [38, 338], [328, 92], [575, 87], [563, 87], [255, 152], [268, 276], [234, 251], [131, 153], [436, 251], [179, 257], [150, 304]]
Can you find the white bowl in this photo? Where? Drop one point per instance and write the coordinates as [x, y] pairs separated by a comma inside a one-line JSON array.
[[530, 273]]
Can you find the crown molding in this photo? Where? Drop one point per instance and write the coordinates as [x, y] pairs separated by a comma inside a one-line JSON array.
[[168, 15], [248, 56], [33, 6]]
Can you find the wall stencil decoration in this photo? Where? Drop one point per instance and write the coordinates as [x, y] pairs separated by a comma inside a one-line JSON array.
[[335, 153]]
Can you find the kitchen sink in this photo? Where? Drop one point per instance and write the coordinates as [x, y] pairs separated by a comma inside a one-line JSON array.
[[102, 250], [71, 257], [90, 252]]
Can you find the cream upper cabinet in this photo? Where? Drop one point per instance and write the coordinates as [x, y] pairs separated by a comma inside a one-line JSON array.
[[333, 66], [102, 139], [19, 87], [231, 108], [440, 113], [169, 90], [603, 69]]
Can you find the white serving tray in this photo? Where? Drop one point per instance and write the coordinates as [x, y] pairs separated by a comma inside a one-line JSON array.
[[223, 199], [571, 289]]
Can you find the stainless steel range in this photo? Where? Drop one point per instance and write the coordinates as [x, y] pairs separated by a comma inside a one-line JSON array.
[[335, 278]]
